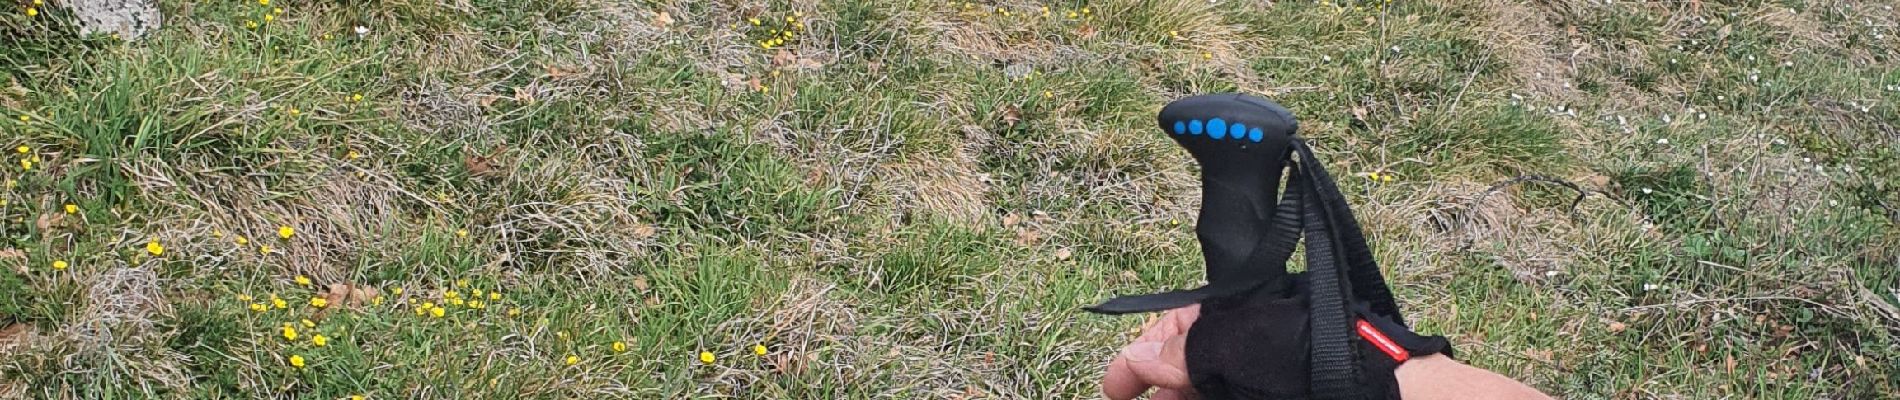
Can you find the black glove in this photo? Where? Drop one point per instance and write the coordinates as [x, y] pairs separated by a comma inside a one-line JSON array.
[[1333, 332]]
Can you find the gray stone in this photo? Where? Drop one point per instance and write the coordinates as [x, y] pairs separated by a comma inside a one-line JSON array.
[[130, 19]]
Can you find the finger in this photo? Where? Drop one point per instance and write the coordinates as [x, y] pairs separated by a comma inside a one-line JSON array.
[[1171, 394], [1121, 383], [1160, 364], [1184, 317]]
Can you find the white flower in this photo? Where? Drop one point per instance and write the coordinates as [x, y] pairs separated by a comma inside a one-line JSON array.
[[362, 30], [1836, 203], [1647, 191], [1720, 97], [1551, 273], [1326, 58], [1807, 160], [1651, 287], [1702, 116], [1395, 48], [1662, 141]]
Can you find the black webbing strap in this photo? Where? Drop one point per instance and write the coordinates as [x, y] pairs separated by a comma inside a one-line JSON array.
[[1333, 361]]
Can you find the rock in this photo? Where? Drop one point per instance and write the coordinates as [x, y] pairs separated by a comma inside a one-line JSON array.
[[129, 19]]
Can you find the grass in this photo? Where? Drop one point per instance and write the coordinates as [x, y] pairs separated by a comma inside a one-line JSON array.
[[915, 199]]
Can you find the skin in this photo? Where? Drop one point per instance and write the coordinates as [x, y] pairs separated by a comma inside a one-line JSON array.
[[1157, 360]]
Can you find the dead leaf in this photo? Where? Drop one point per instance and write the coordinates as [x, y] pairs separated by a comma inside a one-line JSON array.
[[640, 283], [1359, 113], [653, 301], [487, 101], [754, 84], [1597, 181], [483, 165], [1010, 220], [12, 253], [48, 220], [643, 231], [1130, 276], [874, 67], [522, 94], [556, 73], [1064, 254], [1011, 115], [1086, 31], [662, 20], [1618, 326], [1028, 237], [808, 63], [1729, 361], [783, 57], [12, 333]]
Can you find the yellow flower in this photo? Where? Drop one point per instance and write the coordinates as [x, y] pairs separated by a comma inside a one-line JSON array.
[[428, 305], [295, 360], [573, 359], [286, 232], [514, 312], [457, 301], [1072, 15], [437, 312], [23, 149], [356, 98], [269, 18], [154, 248], [1174, 34], [706, 357], [476, 304], [290, 332], [264, 249], [477, 293], [24, 118], [293, 110], [1207, 56], [26, 164], [259, 307], [241, 240], [308, 323], [397, 291], [353, 155], [620, 347], [421, 310], [376, 301], [263, 2], [356, 397], [754, 20], [494, 296], [461, 283], [758, 349], [32, 12], [461, 232], [279, 10], [327, 36], [243, 297], [278, 302], [319, 340], [319, 302], [303, 280], [249, 24]]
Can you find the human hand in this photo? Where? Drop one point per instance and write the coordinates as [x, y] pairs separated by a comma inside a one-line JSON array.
[[1157, 359]]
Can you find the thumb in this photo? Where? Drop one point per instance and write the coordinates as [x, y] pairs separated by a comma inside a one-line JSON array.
[[1162, 364]]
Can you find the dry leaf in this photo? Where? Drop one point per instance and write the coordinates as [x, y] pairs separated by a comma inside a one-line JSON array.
[[1027, 237], [11, 253], [1064, 254], [874, 67], [640, 283], [1086, 31], [1011, 115], [48, 220], [1617, 327], [12, 331], [653, 301], [1729, 361], [643, 231], [754, 84], [487, 101], [554, 72], [783, 57], [662, 20], [522, 94], [1010, 220], [1130, 276], [1359, 113], [808, 63], [483, 165]]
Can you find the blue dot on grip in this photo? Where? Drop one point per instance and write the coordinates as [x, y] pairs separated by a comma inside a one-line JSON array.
[[1255, 135], [1180, 127], [1237, 130], [1216, 128], [1194, 127]]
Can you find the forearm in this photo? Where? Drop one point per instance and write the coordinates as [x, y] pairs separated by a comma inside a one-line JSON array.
[[1437, 377]]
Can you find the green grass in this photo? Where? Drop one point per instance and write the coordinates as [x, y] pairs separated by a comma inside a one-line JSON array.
[[915, 199]]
